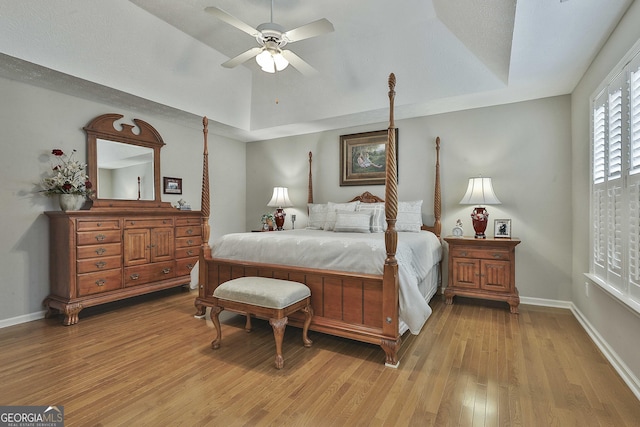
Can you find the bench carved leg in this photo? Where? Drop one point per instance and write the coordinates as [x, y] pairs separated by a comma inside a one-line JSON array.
[[279, 326], [247, 326], [308, 314], [215, 313]]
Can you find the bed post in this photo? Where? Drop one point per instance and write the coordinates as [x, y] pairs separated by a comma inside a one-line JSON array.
[[310, 189], [437, 195], [205, 207], [390, 287]]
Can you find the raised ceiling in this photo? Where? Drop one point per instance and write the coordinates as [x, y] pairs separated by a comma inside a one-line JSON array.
[[164, 56]]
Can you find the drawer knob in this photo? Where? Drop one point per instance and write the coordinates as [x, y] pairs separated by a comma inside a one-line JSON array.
[[189, 242], [189, 252], [101, 264], [463, 253], [101, 282], [99, 224], [100, 251], [100, 237], [189, 266], [497, 256], [166, 270], [134, 276]]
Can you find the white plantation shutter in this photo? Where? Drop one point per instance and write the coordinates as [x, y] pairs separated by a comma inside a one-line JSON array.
[[615, 185], [634, 240], [615, 134], [634, 117], [633, 182]]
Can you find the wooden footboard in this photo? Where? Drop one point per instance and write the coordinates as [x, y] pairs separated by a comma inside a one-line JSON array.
[[348, 305]]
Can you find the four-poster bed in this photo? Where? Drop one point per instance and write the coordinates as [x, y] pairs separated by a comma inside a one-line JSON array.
[[366, 305]]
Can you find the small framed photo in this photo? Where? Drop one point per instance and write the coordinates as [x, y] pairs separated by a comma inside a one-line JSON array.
[[363, 158], [502, 228], [172, 185]]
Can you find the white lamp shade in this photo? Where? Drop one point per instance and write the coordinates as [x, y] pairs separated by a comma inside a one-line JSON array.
[[280, 198], [480, 192], [271, 61]]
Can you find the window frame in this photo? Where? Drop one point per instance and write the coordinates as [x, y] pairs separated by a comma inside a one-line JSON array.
[[614, 182]]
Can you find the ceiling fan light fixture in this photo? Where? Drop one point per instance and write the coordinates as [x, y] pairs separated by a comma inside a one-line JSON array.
[[270, 61], [280, 61]]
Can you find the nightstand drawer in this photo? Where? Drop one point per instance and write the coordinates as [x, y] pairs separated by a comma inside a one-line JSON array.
[[485, 253]]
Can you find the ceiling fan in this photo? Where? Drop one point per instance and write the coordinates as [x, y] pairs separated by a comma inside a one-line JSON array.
[[272, 38]]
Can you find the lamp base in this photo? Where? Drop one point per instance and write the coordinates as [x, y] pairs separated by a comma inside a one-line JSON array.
[[279, 216], [480, 218]]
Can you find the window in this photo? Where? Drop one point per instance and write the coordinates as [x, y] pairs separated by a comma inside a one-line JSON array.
[[615, 184]]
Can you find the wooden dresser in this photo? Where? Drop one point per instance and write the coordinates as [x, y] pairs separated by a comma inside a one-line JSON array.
[[483, 268], [100, 256]]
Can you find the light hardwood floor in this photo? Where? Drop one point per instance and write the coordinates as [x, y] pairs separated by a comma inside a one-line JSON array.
[[148, 362]]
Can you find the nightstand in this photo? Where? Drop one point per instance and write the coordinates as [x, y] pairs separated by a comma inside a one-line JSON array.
[[483, 268]]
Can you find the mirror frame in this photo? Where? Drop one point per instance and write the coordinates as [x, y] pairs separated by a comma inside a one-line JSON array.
[[103, 127]]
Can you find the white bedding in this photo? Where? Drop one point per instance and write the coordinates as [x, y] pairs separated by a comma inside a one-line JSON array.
[[417, 253]]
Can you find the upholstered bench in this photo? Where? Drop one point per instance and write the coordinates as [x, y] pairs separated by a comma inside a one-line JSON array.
[[273, 299]]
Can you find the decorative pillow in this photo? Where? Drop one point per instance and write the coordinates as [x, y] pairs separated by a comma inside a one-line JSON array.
[[331, 212], [409, 216], [353, 222], [317, 215], [378, 219]]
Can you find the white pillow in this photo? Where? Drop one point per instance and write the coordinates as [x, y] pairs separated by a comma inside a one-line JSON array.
[[353, 222], [331, 212], [409, 216], [317, 215], [378, 219]]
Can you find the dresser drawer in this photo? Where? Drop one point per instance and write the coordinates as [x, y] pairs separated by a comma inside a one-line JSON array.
[[139, 275], [192, 251], [102, 281], [185, 265], [485, 253], [98, 224], [188, 221], [148, 222], [94, 237], [99, 251], [188, 230], [98, 264], [186, 242]]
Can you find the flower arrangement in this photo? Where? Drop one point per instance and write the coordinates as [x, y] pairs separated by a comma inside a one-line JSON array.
[[268, 217], [68, 176]]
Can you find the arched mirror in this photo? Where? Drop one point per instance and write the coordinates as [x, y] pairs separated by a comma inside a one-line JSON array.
[[124, 164]]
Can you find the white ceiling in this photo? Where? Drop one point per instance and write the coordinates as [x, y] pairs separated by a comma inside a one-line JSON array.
[[164, 56]]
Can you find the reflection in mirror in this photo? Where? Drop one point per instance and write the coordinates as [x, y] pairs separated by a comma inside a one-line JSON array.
[[125, 171]]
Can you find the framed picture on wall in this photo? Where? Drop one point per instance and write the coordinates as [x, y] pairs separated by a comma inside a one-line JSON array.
[[172, 185], [502, 228], [363, 158]]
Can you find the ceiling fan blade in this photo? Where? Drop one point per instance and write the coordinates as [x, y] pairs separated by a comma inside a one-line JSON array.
[[313, 29], [299, 64], [245, 56], [232, 20]]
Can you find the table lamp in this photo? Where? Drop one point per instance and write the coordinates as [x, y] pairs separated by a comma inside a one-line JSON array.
[[280, 200], [480, 192]]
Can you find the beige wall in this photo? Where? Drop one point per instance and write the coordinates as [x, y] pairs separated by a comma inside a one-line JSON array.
[[525, 147], [33, 122]]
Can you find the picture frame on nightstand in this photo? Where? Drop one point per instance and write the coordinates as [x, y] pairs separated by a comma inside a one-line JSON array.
[[502, 229]]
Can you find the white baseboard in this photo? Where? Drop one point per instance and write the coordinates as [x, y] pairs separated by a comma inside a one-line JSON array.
[[546, 302], [5, 323]]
